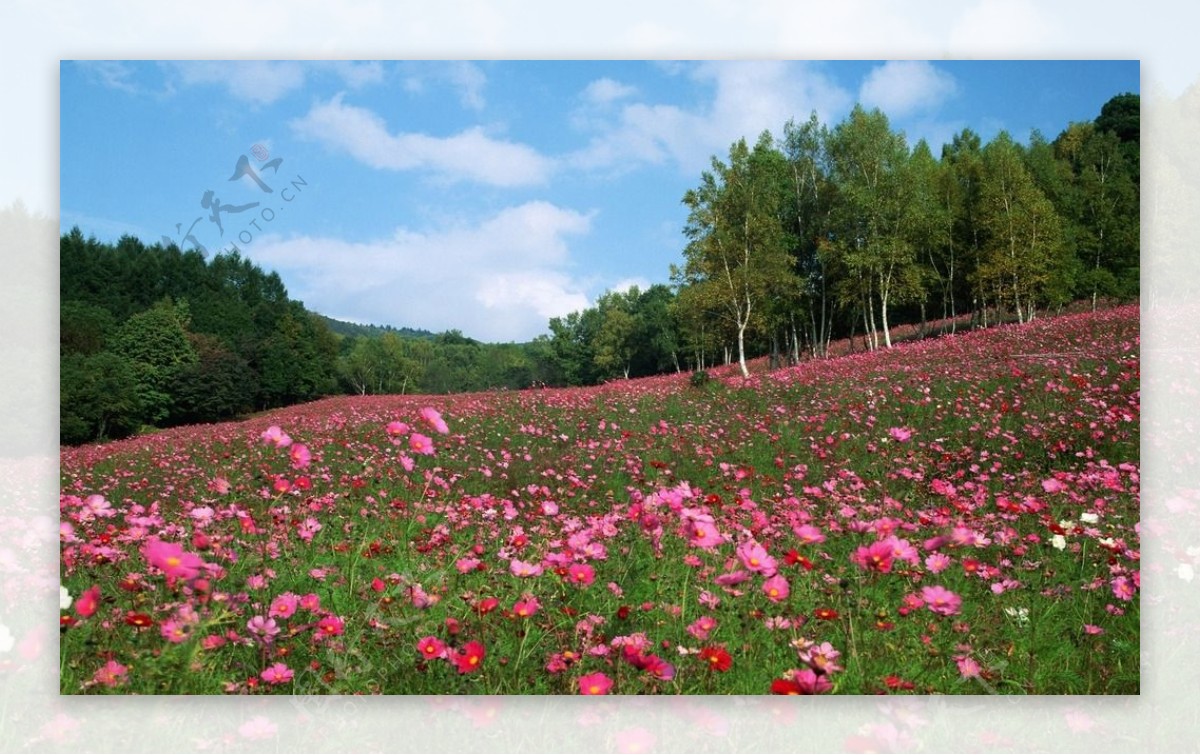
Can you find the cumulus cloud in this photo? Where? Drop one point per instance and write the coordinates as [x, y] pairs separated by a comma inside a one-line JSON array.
[[500, 278], [468, 155], [464, 76], [902, 87], [623, 285], [747, 97], [606, 90], [258, 81], [114, 74], [263, 82]]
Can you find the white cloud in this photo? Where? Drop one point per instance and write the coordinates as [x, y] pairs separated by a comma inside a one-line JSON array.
[[747, 98], [258, 81], [498, 279], [622, 286], [357, 74], [901, 87], [464, 76], [470, 80], [114, 74], [469, 155], [606, 90], [265, 81]]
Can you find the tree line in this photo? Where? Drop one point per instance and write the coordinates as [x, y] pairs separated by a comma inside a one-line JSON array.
[[831, 230], [152, 336], [822, 233], [842, 232]]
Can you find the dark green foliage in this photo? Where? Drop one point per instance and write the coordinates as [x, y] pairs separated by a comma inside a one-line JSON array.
[[153, 335], [699, 379], [99, 397], [214, 386]]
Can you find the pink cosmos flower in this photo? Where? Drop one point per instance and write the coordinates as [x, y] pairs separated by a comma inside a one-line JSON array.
[[431, 647], [968, 667], [699, 529], [277, 673], [470, 658], [821, 658], [940, 600], [311, 602], [776, 588], [581, 574], [527, 606], [110, 674], [329, 626], [88, 602], [213, 641], [900, 434], [549, 508], [1122, 588], [809, 682], [420, 598], [174, 631], [732, 578], [300, 456], [172, 559], [808, 534], [755, 558], [276, 437], [284, 605], [263, 627], [1092, 629], [702, 627], [652, 664], [397, 428], [434, 418], [902, 550], [308, 528], [875, 557], [420, 444], [937, 562], [521, 569], [595, 684]]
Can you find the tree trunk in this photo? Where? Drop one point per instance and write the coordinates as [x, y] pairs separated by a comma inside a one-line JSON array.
[[742, 349], [883, 312]]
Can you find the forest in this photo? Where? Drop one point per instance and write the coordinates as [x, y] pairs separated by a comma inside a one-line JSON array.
[[790, 243]]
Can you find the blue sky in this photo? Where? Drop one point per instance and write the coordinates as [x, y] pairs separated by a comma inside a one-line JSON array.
[[484, 196]]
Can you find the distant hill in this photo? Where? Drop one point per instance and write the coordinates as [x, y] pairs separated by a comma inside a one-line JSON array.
[[350, 329]]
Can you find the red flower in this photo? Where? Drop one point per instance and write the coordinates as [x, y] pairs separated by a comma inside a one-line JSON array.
[[487, 605], [717, 658], [826, 614], [139, 620], [894, 682], [470, 658], [88, 602], [785, 687]]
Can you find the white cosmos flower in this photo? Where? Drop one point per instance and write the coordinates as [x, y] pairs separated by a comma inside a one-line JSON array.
[[64, 598], [6, 639], [1088, 517], [1058, 541], [1020, 614], [1186, 572]]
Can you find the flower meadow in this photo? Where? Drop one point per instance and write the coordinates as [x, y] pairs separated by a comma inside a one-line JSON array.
[[952, 516]]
